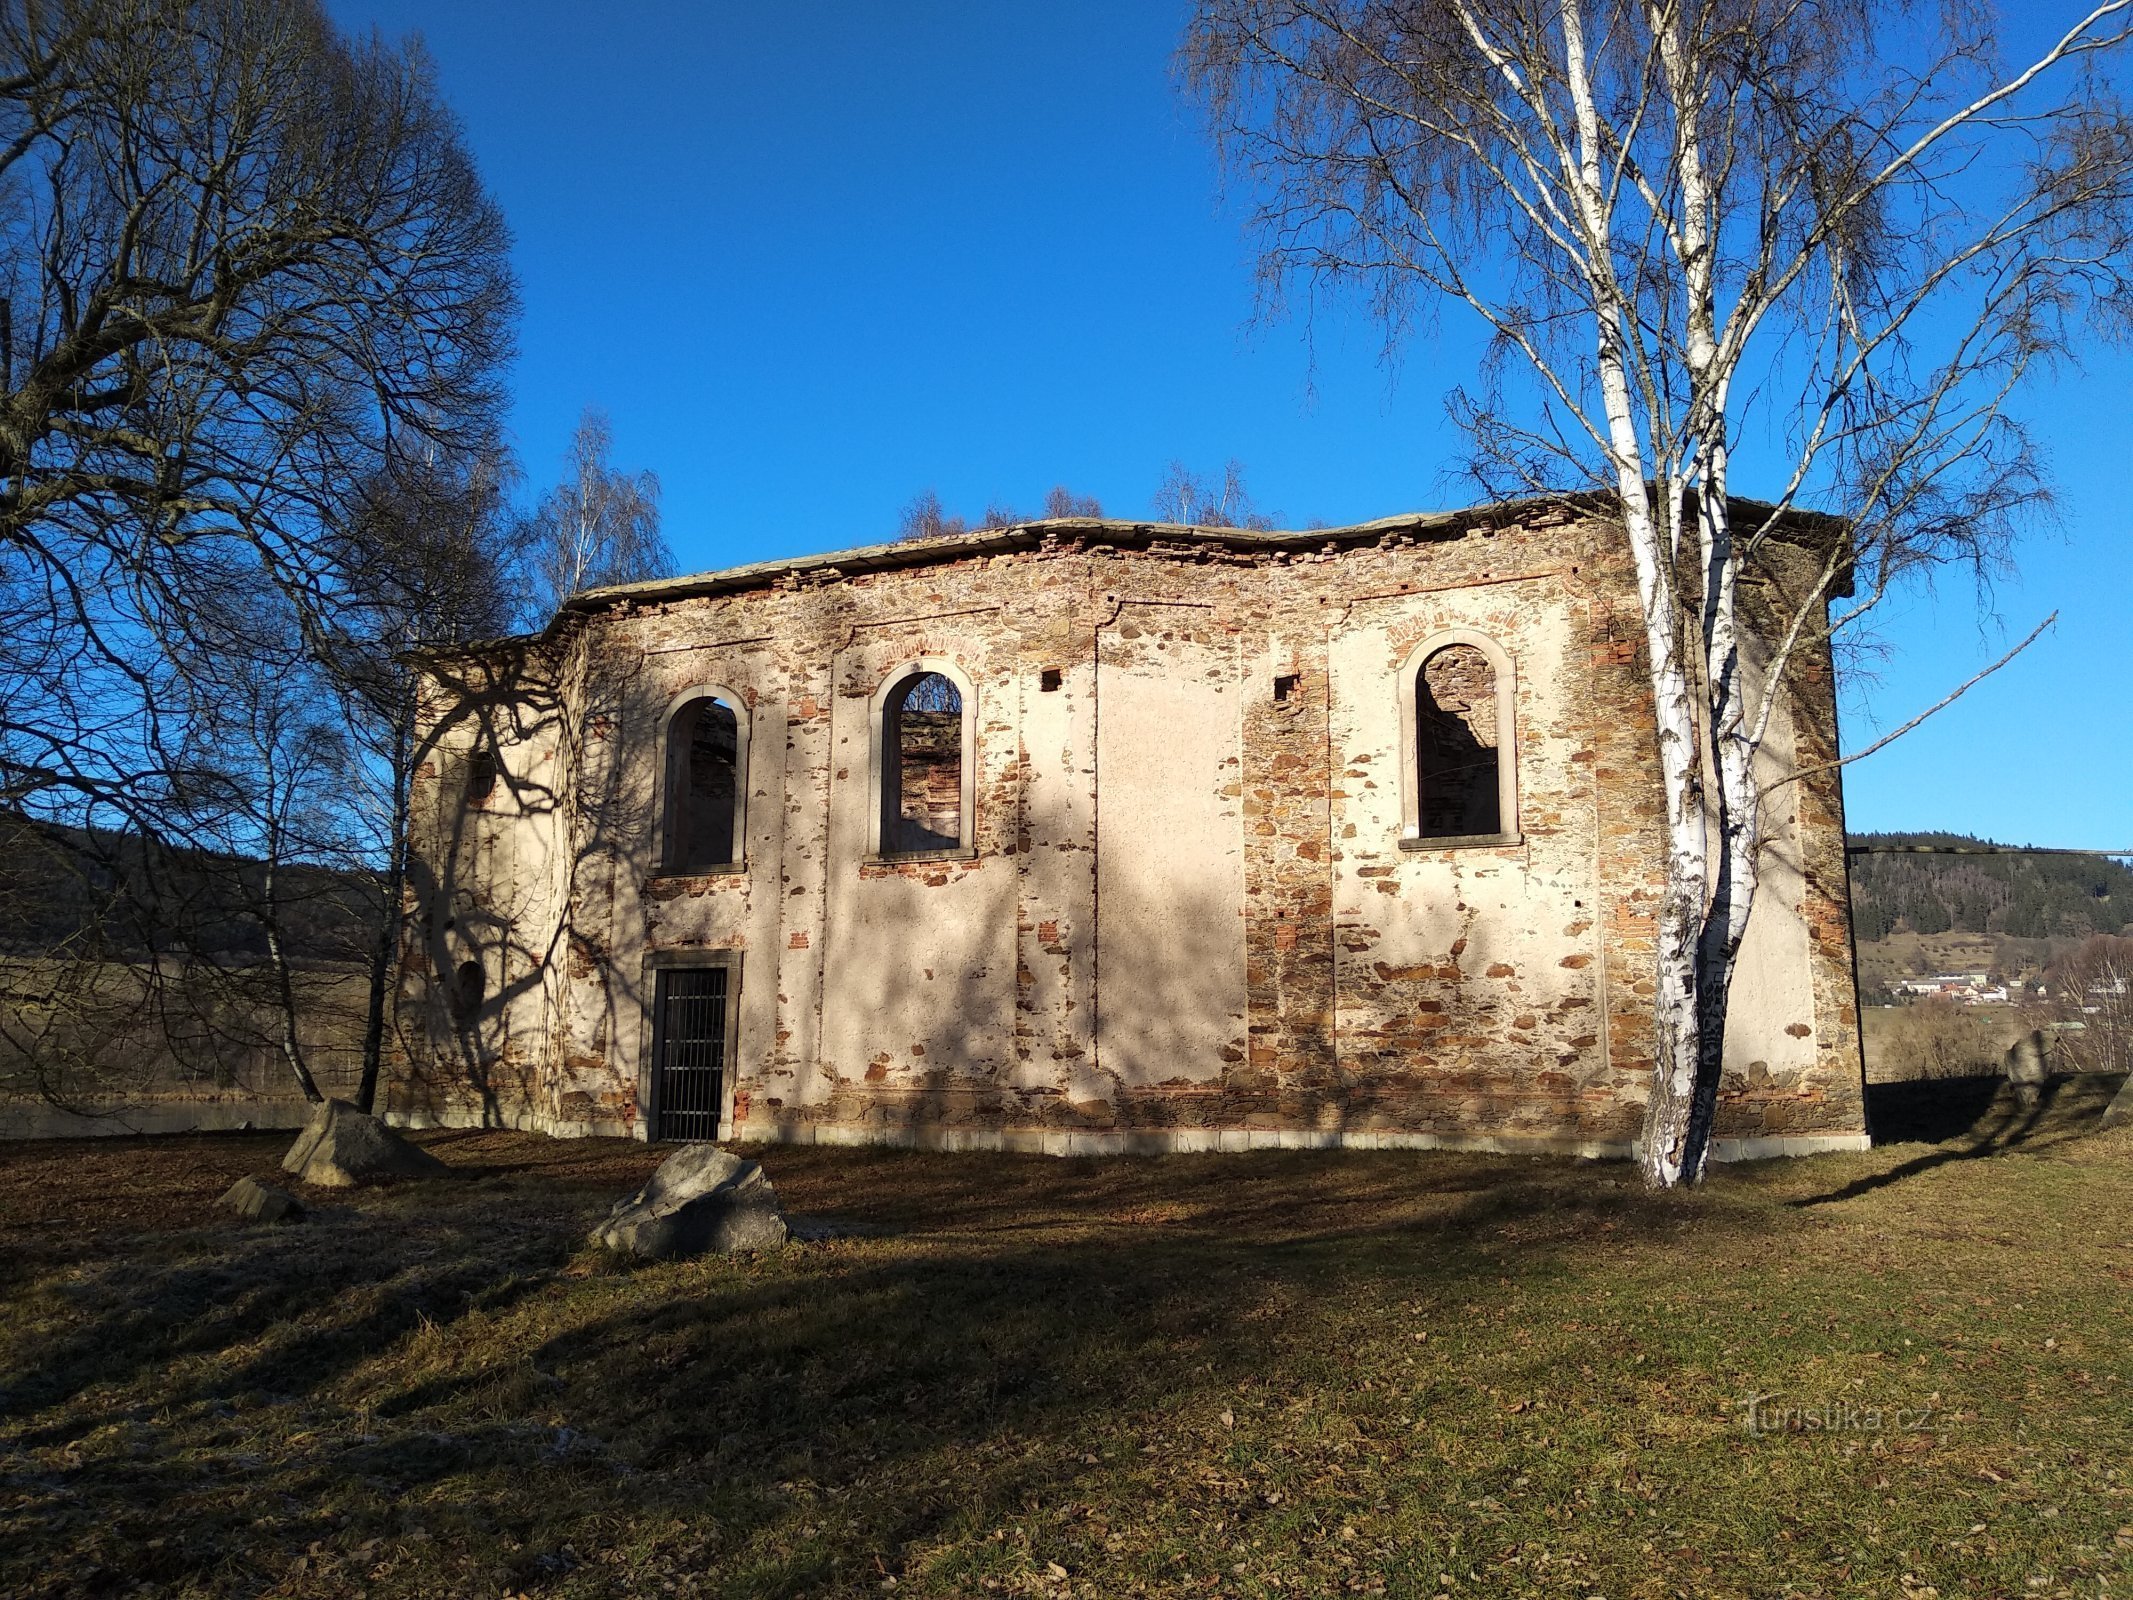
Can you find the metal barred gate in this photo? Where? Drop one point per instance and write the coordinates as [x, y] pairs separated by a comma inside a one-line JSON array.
[[689, 1039]]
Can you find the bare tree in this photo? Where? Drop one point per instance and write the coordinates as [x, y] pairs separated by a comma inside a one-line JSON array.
[[926, 518], [598, 526], [2093, 986], [1064, 502], [266, 760], [244, 263], [1845, 230], [1183, 496], [442, 566]]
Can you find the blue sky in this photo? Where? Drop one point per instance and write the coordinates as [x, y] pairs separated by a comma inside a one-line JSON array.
[[815, 258]]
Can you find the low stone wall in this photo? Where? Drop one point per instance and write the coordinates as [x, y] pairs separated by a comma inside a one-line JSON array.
[[93, 1050], [118, 1118]]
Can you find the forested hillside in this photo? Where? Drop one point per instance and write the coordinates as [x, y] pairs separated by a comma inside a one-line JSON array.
[[71, 892], [2017, 896]]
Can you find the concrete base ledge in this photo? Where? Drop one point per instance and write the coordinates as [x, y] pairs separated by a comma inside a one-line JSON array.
[[26, 1120], [1788, 1144], [1196, 1141], [516, 1120]]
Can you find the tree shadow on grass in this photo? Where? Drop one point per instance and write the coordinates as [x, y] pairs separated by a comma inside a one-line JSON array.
[[992, 1374], [968, 1368], [292, 1308], [1967, 1119]]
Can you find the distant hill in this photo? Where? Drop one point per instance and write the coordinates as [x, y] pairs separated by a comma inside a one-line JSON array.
[[2016, 897], [121, 896]]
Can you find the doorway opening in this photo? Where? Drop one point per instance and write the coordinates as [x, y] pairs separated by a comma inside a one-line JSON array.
[[690, 1012]]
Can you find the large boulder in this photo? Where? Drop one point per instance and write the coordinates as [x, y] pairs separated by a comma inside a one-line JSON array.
[[341, 1147], [701, 1200], [262, 1202]]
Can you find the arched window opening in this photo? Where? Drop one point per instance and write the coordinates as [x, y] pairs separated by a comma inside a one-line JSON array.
[[1458, 755], [703, 787], [469, 988], [481, 774], [922, 767]]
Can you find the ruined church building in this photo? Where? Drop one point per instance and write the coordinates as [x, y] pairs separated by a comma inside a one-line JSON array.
[[1092, 836]]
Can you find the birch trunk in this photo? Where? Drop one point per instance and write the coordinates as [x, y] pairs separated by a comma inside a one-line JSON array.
[[1625, 208], [1679, 1125], [291, 1043], [1677, 1051], [386, 950]]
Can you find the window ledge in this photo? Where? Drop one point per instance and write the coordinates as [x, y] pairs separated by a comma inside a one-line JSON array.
[[738, 869], [1465, 841], [905, 857]]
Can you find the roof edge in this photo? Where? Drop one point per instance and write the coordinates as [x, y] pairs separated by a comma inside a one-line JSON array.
[[1032, 535]]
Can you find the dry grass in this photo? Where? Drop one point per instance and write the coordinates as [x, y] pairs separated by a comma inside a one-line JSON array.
[[1289, 1375]]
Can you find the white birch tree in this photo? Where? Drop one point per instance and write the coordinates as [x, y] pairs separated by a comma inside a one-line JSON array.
[[1184, 496], [599, 526], [1832, 234]]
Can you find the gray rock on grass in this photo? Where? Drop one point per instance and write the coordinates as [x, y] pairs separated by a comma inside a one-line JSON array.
[[2119, 1113], [262, 1202], [702, 1200], [2027, 1065], [341, 1147]]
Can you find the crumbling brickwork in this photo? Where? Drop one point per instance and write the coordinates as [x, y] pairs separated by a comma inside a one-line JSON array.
[[1199, 905]]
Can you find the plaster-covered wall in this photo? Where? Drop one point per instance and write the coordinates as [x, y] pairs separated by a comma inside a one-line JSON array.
[[1169, 949]]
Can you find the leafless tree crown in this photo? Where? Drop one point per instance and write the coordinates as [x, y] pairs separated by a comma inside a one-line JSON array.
[[926, 518], [599, 526], [1207, 502], [251, 288], [247, 264]]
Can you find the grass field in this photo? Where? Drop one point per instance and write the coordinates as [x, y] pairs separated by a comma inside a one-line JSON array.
[[1280, 1374]]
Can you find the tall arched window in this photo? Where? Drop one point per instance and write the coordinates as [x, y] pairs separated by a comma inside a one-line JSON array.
[[1462, 779], [922, 768], [705, 780]]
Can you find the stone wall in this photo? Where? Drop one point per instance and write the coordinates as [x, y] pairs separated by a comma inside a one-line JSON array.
[[1193, 914]]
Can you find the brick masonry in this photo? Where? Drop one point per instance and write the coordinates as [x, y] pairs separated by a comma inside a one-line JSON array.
[[1188, 917]]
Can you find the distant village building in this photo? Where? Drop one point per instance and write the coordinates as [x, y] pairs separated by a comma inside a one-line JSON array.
[[1100, 836], [1970, 988]]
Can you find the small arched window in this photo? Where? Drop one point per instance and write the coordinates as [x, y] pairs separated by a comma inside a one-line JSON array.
[[923, 767], [1462, 784], [481, 774], [706, 762], [469, 989]]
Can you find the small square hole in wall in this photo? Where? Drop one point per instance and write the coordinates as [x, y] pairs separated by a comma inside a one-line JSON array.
[[1048, 679], [1285, 685]]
